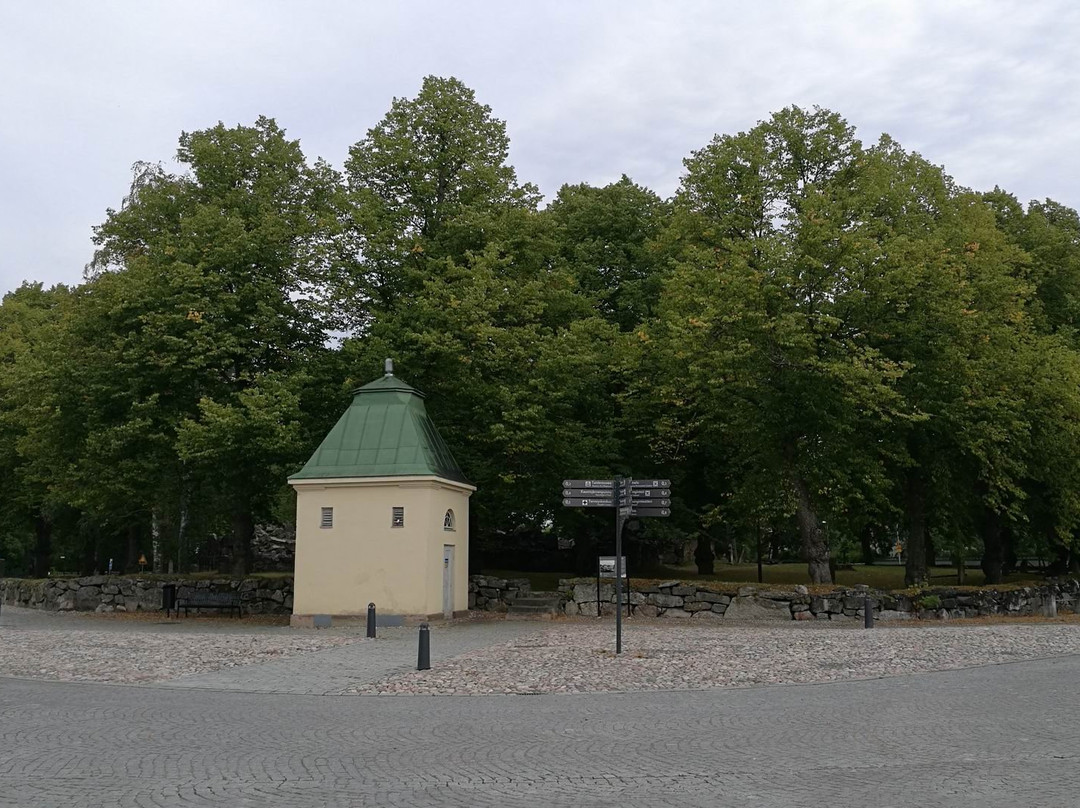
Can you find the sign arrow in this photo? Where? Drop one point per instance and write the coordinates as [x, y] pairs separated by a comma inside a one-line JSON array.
[[652, 511], [588, 483], [589, 503]]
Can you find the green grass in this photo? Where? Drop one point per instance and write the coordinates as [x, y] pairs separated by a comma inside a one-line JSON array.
[[877, 576]]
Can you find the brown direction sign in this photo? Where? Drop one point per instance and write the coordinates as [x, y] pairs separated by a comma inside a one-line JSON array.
[[610, 484], [651, 492], [651, 511], [587, 492], [593, 502]]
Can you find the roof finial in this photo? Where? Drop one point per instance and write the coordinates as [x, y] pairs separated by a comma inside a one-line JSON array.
[[389, 366]]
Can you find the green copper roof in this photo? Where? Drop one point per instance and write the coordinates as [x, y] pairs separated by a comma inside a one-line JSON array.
[[385, 432]]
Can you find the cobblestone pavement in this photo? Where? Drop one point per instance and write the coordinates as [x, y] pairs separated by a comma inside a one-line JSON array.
[[1006, 735]]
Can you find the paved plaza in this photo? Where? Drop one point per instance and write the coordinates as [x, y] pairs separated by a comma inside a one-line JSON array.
[[265, 734]]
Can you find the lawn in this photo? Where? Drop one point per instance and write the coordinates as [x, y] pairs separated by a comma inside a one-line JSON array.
[[878, 576]]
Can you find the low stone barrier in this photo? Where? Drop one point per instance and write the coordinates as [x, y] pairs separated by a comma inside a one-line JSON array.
[[115, 593], [490, 594], [693, 600]]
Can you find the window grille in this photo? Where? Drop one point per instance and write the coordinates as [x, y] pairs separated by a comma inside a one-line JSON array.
[[398, 519], [327, 517], [448, 520]]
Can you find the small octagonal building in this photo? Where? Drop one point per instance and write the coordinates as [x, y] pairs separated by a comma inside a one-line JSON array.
[[382, 513]]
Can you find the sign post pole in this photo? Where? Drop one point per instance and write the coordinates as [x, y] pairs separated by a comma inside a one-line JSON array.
[[621, 495]]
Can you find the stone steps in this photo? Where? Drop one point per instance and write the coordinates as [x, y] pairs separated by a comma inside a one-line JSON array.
[[535, 603]]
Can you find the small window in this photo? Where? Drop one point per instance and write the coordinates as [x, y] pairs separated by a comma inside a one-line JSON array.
[[398, 519], [448, 520], [327, 517]]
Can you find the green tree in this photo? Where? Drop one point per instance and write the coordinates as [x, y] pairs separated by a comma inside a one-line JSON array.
[[422, 185], [219, 270]]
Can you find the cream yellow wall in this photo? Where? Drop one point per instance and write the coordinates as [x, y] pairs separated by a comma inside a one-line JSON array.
[[363, 559]]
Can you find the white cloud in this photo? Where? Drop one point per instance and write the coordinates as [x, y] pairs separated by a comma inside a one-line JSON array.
[[589, 90]]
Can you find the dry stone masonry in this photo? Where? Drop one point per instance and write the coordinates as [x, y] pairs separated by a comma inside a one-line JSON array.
[[490, 594], [114, 593], [689, 600], [685, 600]]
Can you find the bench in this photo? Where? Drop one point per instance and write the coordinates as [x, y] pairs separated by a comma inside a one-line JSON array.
[[205, 599]]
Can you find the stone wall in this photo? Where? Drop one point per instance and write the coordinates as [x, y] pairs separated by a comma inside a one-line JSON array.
[[115, 593], [489, 594], [691, 600]]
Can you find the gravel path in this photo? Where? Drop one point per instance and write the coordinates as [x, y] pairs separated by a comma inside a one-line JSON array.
[[577, 658], [74, 649]]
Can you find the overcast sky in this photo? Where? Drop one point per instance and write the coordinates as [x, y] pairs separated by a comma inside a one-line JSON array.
[[589, 90]]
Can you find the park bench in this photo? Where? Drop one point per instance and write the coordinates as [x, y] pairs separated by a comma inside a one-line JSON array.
[[205, 599]]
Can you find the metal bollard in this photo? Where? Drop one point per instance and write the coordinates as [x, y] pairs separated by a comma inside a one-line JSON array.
[[868, 612], [423, 657], [371, 621]]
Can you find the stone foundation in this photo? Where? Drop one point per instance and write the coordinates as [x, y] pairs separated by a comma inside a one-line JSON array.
[[115, 593], [489, 594], [679, 599]]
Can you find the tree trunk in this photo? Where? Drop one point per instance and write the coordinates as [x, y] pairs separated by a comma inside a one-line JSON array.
[[243, 533], [815, 546], [42, 546], [1008, 548], [915, 569], [993, 546], [866, 539], [704, 556], [131, 563]]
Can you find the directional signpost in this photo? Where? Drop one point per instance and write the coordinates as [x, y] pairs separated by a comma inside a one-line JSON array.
[[629, 498]]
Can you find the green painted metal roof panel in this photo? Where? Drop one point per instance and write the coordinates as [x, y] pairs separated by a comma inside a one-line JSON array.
[[385, 432]]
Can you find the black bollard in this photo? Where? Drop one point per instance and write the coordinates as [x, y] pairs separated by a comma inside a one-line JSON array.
[[868, 612], [423, 657], [371, 621]]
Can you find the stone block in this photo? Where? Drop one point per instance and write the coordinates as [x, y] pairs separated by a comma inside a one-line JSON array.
[[708, 615], [750, 608], [667, 584], [111, 589], [87, 598], [647, 610], [584, 592], [665, 601], [719, 608], [683, 591], [697, 606], [804, 615], [675, 613], [571, 608], [711, 597]]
